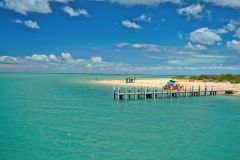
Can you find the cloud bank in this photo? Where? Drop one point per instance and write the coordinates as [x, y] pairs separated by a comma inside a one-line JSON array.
[[53, 63], [142, 2], [224, 3], [25, 6], [171, 61]]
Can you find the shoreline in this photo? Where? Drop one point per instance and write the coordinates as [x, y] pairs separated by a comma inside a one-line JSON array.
[[160, 82]]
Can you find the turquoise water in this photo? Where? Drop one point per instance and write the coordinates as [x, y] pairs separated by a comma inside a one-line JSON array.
[[63, 116]]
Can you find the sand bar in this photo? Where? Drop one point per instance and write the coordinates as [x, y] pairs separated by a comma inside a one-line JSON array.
[[160, 82]]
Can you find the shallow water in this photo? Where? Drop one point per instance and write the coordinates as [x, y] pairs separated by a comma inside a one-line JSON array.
[[64, 116]]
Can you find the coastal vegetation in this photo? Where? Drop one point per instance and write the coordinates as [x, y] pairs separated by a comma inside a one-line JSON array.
[[232, 78]]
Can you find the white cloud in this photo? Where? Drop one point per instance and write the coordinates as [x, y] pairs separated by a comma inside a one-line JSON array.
[[204, 36], [66, 56], [31, 24], [193, 10], [96, 48], [237, 33], [143, 18], [188, 56], [53, 57], [195, 47], [96, 59], [151, 47], [180, 35], [62, 63], [8, 59], [225, 3], [28, 23], [230, 27], [128, 24], [38, 57], [138, 45], [220, 30], [142, 2], [122, 44], [148, 47], [25, 6], [170, 62], [234, 45], [72, 12], [18, 21]]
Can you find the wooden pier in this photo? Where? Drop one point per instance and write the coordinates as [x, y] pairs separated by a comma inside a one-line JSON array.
[[146, 92]]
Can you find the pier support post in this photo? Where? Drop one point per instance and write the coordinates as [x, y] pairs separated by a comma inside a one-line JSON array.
[[154, 92], [162, 92], [125, 94], [186, 93], [212, 91], [139, 93], [193, 91], [114, 92], [171, 92], [199, 90], [178, 90], [205, 90], [118, 91], [129, 91], [145, 92], [135, 93]]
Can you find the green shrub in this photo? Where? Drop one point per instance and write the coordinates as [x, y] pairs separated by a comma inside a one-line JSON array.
[[215, 78], [235, 80], [180, 77]]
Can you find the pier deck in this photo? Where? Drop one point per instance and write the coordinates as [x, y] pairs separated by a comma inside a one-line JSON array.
[[145, 92]]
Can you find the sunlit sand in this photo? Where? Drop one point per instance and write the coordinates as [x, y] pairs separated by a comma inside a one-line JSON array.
[[160, 82]]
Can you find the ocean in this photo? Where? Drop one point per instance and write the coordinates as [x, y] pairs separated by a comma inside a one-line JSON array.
[[66, 116]]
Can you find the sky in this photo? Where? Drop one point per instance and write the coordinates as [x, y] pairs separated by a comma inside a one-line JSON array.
[[165, 37]]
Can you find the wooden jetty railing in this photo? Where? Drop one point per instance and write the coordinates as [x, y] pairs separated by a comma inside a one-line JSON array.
[[146, 92]]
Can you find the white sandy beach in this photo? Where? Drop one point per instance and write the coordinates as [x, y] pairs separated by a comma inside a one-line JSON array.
[[160, 82]]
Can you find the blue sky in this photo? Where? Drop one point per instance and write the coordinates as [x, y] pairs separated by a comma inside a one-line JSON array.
[[120, 36]]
